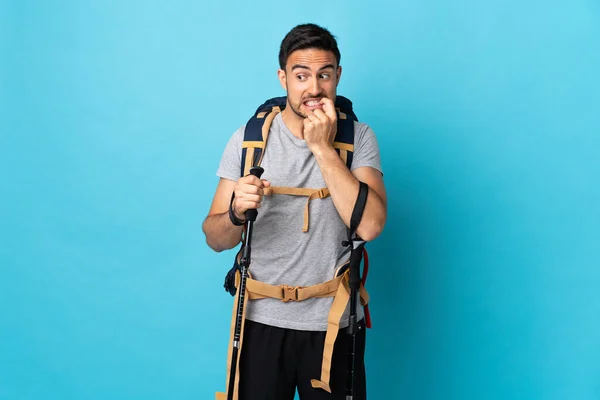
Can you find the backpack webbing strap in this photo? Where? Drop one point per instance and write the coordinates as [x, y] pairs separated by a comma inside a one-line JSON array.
[[223, 395], [340, 301], [253, 148], [312, 194], [286, 293], [344, 150], [344, 138], [338, 288]]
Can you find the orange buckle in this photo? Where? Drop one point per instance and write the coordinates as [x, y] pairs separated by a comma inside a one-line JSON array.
[[321, 193], [289, 293]]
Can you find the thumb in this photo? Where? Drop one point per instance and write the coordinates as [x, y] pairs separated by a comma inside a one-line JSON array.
[[266, 183]]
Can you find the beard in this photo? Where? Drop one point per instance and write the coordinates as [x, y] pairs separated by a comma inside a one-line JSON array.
[[296, 108]]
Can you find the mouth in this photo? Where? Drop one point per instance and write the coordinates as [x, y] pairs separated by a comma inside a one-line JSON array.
[[313, 104]]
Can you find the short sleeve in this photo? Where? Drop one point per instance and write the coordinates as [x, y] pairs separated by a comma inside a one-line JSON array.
[[366, 148], [230, 165]]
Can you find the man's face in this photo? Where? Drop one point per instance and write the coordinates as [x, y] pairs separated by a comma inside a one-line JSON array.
[[309, 76]]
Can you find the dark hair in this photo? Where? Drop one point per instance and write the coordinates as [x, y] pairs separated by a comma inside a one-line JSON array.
[[307, 36]]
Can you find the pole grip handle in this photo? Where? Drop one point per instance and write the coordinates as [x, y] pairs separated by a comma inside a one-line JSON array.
[[253, 213], [355, 259]]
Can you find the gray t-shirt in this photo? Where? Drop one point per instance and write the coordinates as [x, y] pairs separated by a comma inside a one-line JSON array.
[[281, 252]]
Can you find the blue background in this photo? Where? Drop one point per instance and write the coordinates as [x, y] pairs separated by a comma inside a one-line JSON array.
[[113, 116]]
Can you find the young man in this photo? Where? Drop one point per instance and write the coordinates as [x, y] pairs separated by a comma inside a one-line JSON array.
[[283, 342]]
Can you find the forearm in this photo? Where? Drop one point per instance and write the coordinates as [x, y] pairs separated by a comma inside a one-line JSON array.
[[343, 188], [221, 233]]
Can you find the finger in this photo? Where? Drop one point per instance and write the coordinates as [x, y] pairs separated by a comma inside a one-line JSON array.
[[266, 183], [321, 115], [248, 205], [241, 210], [252, 189], [247, 200], [252, 198], [248, 190], [252, 180], [329, 108], [312, 117]]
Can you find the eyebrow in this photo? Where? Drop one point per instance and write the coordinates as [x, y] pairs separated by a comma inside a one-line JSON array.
[[305, 67]]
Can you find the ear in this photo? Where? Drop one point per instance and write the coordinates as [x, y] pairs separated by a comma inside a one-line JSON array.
[[282, 78], [339, 74]]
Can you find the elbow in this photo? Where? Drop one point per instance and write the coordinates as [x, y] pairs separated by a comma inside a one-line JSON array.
[[373, 222], [369, 235], [214, 247], [210, 244], [207, 237], [219, 247], [370, 232]]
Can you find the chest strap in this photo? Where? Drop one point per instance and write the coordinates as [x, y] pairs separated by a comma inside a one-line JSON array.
[[312, 194], [338, 288]]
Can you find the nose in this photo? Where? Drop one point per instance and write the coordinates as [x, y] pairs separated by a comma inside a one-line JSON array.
[[315, 87]]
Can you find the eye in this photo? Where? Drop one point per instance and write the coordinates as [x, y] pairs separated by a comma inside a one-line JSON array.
[[325, 76], [301, 77]]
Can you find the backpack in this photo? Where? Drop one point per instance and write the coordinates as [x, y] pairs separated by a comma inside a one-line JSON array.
[[256, 135]]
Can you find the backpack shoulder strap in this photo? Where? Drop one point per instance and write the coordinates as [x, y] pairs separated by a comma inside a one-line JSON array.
[[344, 139], [256, 133]]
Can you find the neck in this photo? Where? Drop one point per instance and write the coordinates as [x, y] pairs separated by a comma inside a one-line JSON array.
[[294, 122]]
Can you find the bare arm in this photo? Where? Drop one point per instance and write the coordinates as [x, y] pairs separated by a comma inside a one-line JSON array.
[[221, 234], [343, 185]]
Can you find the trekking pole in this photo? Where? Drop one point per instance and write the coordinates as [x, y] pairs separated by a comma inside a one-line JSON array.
[[244, 265], [356, 249], [354, 283]]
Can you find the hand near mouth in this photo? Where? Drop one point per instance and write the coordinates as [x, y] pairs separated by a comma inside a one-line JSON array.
[[320, 126]]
